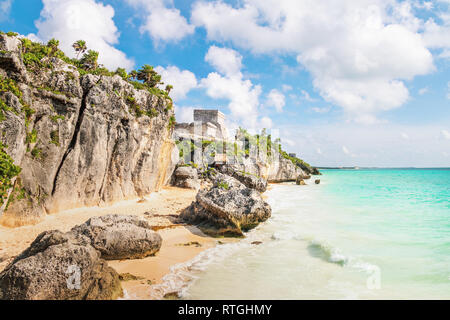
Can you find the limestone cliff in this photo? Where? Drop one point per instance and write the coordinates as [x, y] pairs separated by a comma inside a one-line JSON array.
[[80, 140]]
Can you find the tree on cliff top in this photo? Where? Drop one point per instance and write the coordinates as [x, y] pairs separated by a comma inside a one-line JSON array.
[[149, 76], [90, 60], [53, 45], [80, 47]]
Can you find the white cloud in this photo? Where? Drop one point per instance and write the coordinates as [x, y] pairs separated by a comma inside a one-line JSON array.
[[225, 61], [372, 146], [445, 134], [306, 96], [448, 90], [424, 90], [276, 99], [242, 94], [426, 5], [321, 110], [266, 122], [89, 20], [182, 81], [435, 34], [162, 23], [184, 114], [286, 87], [345, 150], [404, 136], [5, 9], [319, 151], [230, 85], [359, 52]]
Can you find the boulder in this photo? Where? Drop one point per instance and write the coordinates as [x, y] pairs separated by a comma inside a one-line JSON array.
[[316, 172], [229, 208], [59, 266], [186, 177], [186, 173], [300, 181], [317, 181], [120, 237], [250, 180]]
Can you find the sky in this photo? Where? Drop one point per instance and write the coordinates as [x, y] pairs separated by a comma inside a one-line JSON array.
[[342, 83]]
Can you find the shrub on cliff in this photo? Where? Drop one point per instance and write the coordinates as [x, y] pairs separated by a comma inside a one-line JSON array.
[[149, 76], [8, 171]]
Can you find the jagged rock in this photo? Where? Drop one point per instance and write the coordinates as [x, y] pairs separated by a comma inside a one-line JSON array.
[[316, 172], [283, 170], [227, 209], [186, 173], [59, 266], [84, 144], [317, 181], [250, 180], [186, 177], [120, 237]]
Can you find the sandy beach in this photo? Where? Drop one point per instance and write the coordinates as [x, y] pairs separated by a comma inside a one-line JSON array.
[[180, 243]]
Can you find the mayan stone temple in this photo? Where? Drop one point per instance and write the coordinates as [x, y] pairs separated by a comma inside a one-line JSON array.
[[208, 126]]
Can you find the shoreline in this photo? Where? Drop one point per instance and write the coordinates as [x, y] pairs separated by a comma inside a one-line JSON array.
[[181, 243]]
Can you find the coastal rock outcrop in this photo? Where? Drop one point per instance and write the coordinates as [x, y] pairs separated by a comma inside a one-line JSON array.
[[186, 177], [284, 170], [227, 209], [120, 237], [59, 266], [80, 139], [250, 180]]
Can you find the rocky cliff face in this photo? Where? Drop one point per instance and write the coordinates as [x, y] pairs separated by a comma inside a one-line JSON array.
[[80, 140]]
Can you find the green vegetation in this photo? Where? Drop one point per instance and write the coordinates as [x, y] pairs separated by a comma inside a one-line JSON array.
[[149, 76], [223, 185], [172, 122], [138, 110], [8, 85], [122, 73], [145, 79], [79, 47], [54, 137], [298, 162], [89, 61], [18, 193], [57, 117], [36, 153], [3, 108], [31, 136], [8, 171]]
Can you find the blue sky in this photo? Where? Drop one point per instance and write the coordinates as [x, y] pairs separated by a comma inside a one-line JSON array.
[[352, 82]]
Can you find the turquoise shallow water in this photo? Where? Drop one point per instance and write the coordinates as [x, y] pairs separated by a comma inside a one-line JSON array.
[[360, 234]]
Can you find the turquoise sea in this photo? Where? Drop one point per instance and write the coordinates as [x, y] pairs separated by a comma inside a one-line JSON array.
[[360, 234]]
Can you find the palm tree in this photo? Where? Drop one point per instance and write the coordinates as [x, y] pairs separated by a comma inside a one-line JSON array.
[[80, 47], [149, 76], [169, 88], [53, 45], [90, 60]]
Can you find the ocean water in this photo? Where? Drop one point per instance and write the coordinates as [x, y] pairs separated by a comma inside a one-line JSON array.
[[360, 234]]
